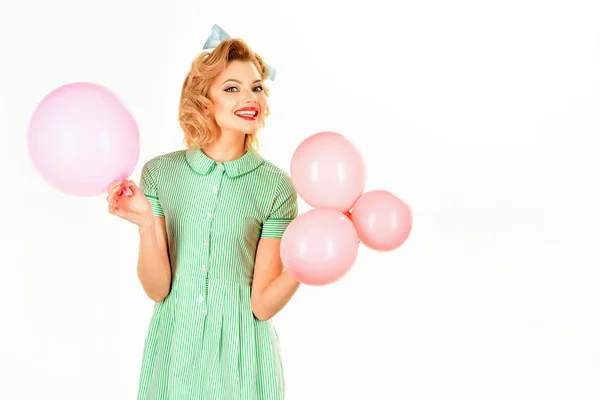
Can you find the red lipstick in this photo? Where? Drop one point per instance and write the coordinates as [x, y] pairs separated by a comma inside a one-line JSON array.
[[247, 113]]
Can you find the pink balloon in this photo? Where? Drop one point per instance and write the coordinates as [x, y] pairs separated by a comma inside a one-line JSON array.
[[328, 171], [382, 220], [319, 246], [81, 138]]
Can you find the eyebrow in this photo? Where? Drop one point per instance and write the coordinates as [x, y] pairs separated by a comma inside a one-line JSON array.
[[240, 82]]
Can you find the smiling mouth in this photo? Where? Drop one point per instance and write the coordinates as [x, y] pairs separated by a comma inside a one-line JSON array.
[[248, 114]]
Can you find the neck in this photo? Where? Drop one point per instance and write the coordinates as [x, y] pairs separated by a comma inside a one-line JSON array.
[[226, 147]]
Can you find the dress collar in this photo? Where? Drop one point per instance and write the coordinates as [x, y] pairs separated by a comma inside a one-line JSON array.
[[203, 164]]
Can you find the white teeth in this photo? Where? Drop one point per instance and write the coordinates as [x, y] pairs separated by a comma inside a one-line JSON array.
[[253, 113]]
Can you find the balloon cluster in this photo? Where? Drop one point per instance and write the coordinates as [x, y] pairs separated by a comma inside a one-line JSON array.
[[321, 245]]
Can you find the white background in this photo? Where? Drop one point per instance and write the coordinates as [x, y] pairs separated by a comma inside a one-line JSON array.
[[483, 116]]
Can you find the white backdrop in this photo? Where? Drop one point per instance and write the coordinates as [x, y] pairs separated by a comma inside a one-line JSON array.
[[483, 116]]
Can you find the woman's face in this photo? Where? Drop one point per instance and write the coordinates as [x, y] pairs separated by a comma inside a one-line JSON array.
[[238, 98]]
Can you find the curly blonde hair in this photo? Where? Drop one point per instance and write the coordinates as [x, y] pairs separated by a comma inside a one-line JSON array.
[[195, 108]]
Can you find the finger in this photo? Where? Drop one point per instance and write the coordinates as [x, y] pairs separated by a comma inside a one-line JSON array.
[[114, 185], [113, 208], [114, 190], [120, 190], [121, 187], [129, 188], [135, 189], [110, 198]]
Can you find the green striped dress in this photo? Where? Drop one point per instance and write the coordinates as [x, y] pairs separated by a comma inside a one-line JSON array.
[[203, 341]]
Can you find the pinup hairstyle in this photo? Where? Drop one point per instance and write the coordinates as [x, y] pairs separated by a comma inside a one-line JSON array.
[[195, 108]]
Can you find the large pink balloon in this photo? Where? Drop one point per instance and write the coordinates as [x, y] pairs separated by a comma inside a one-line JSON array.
[[81, 138], [328, 171], [319, 246], [383, 221]]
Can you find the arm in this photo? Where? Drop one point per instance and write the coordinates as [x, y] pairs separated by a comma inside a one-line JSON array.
[[272, 287], [153, 268]]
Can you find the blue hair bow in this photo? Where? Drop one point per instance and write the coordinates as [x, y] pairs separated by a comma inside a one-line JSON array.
[[217, 36]]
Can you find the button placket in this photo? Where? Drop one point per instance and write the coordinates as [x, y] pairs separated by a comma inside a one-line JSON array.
[[206, 253]]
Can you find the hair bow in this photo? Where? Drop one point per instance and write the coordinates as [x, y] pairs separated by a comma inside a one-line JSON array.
[[218, 35]]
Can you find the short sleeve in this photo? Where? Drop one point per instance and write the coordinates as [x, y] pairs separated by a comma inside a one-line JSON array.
[[149, 187], [284, 210]]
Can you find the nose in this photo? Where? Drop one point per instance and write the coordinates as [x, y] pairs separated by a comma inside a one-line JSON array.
[[250, 97]]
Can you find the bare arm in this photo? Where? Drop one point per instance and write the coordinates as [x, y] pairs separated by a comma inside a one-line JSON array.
[[154, 269], [272, 287]]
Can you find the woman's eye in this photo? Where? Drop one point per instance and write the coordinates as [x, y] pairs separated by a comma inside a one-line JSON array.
[[235, 89]]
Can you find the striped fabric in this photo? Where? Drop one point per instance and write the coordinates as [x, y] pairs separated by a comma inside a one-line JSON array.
[[203, 340]]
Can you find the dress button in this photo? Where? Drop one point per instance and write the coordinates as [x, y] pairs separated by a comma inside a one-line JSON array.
[[220, 166], [215, 189], [201, 298], [208, 215], [203, 268], [206, 243]]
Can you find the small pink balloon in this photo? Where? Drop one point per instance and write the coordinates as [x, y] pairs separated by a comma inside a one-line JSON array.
[[382, 220], [319, 246], [328, 171], [81, 138]]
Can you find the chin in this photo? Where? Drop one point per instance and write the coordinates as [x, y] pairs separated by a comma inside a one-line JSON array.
[[253, 127]]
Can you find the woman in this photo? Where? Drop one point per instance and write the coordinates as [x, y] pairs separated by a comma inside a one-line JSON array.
[[210, 221]]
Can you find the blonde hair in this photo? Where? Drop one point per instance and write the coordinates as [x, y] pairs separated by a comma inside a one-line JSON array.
[[195, 108]]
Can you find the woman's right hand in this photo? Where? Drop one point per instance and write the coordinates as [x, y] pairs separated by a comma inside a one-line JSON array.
[[133, 207]]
